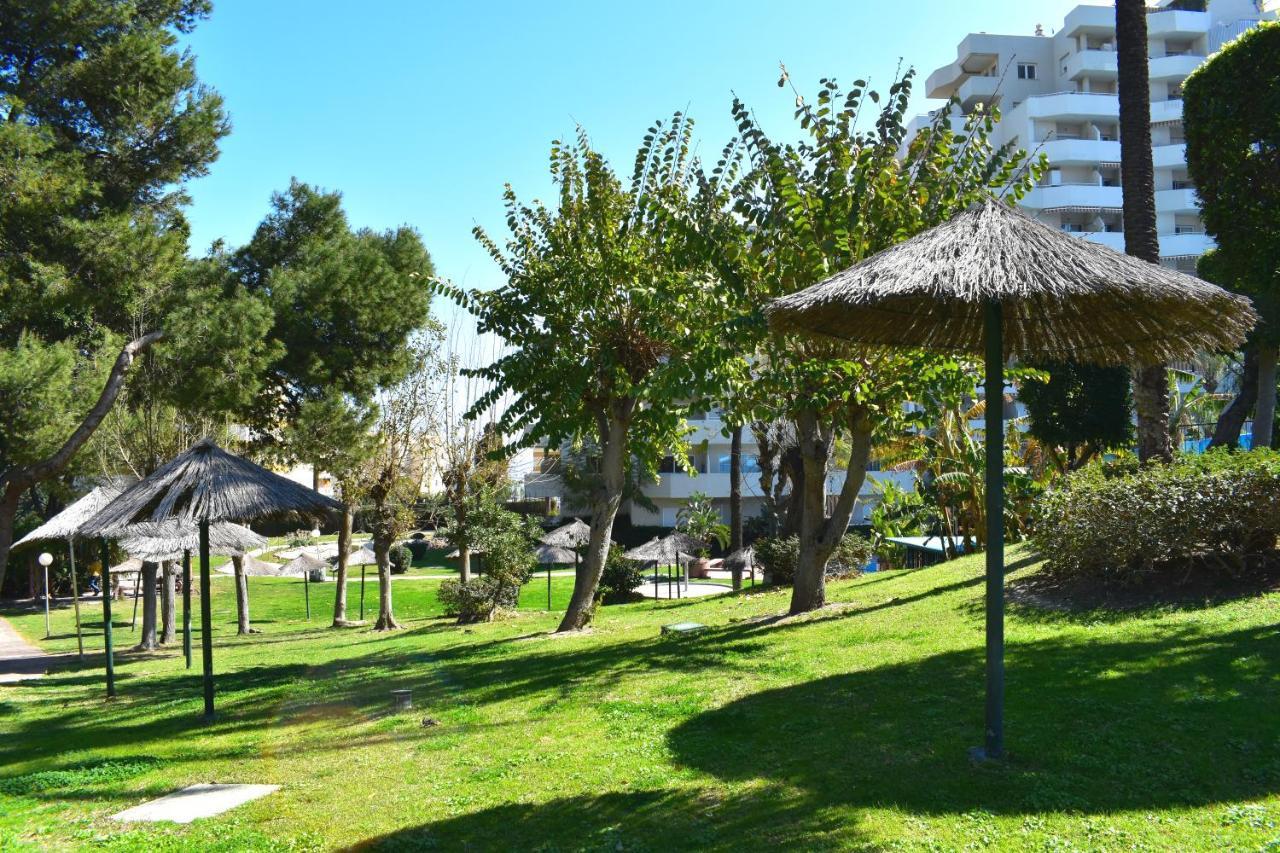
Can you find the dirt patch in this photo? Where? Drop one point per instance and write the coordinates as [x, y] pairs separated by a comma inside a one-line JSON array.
[[1204, 581]]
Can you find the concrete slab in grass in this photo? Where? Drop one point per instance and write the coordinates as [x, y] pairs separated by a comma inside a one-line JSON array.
[[194, 802], [683, 629]]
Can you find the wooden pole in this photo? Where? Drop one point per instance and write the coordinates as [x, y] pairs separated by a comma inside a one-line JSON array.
[[137, 587], [106, 617], [994, 745], [306, 592], [206, 620], [186, 606], [75, 595], [362, 568]]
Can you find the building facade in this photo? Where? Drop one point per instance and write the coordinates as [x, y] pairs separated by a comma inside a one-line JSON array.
[[1057, 96], [709, 444]]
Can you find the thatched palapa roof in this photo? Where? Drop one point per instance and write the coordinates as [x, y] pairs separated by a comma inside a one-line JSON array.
[[304, 564], [67, 524], [167, 540], [668, 550], [575, 534], [550, 554], [253, 567], [1063, 297], [206, 483], [362, 557]]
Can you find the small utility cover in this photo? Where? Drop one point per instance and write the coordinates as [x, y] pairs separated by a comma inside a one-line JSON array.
[[194, 802], [683, 628]]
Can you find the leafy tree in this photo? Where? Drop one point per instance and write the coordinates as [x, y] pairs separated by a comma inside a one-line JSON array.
[[102, 119], [508, 540], [1233, 155], [1081, 408], [701, 521], [606, 321], [388, 481], [819, 205], [1137, 178]]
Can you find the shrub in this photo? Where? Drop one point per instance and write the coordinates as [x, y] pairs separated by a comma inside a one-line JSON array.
[[477, 600], [780, 556], [401, 558], [507, 541], [418, 548], [1119, 524], [620, 578]]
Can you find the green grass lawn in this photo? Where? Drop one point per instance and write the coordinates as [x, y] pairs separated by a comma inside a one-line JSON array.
[[845, 729]]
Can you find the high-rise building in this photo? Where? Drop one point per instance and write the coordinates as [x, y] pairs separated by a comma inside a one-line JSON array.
[[1057, 96]]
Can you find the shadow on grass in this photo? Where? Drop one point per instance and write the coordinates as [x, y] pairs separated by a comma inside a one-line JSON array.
[[1183, 720]]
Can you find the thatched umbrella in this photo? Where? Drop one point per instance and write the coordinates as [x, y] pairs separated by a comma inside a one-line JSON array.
[[991, 280], [573, 535], [66, 525], [364, 557], [169, 540], [305, 565], [668, 550], [203, 486]]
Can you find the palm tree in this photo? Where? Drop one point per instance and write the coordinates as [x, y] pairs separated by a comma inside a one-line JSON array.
[[1137, 181]]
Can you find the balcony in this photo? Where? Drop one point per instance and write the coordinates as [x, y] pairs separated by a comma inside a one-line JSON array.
[[1073, 195], [1094, 19], [1175, 23], [1065, 152], [1110, 239], [1168, 156], [977, 90], [1173, 67], [1177, 201], [1074, 106], [1185, 244], [1161, 110], [1097, 64]]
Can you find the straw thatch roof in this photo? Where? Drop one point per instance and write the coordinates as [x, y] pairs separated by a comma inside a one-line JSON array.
[[67, 524], [455, 553], [1063, 297], [129, 567], [363, 557], [208, 484], [551, 554], [304, 564], [167, 540], [668, 550], [575, 534], [321, 550], [253, 567]]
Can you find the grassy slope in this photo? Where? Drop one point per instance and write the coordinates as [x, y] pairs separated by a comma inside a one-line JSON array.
[[845, 729]]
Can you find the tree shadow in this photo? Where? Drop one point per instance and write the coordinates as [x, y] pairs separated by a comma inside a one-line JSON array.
[[1182, 720]]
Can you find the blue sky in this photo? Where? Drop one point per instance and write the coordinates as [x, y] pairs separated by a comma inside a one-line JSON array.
[[419, 112]]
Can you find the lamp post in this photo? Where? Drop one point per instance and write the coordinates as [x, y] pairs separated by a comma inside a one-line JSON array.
[[46, 559]]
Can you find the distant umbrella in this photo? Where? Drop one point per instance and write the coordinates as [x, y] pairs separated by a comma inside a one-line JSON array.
[[575, 534], [305, 565], [667, 550], [550, 554], [169, 540], [362, 558], [254, 568], [991, 280], [203, 486]]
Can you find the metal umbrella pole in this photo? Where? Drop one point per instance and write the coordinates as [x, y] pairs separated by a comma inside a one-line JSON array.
[[186, 606], [994, 747], [106, 617], [48, 632], [206, 621], [137, 588], [306, 593], [362, 568], [75, 595]]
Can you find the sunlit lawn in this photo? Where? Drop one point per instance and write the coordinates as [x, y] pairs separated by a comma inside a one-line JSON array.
[[845, 729]]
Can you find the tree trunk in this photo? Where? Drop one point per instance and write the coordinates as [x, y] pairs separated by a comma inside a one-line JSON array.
[[464, 563], [1265, 410], [344, 545], [242, 597], [168, 610], [613, 429], [147, 577], [1137, 179], [735, 505], [794, 470], [1226, 432], [820, 534], [386, 617], [16, 480]]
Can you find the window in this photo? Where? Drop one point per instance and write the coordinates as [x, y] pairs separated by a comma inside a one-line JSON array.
[[750, 464], [1026, 71]]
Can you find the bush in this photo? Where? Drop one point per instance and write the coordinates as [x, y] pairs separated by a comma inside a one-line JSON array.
[[1120, 524], [620, 578], [507, 541], [401, 558], [780, 556], [477, 600], [418, 548]]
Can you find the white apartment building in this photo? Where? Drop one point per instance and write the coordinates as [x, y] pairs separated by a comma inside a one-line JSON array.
[[1057, 96], [709, 448]]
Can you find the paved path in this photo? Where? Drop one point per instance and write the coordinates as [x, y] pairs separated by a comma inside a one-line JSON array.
[[19, 660]]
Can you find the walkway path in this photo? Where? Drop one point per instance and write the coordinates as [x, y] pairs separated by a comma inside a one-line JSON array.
[[19, 660]]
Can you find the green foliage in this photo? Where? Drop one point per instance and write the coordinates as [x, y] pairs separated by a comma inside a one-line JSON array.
[[780, 557], [620, 579], [1233, 155], [700, 519], [1082, 408], [507, 541], [1118, 524], [344, 304], [401, 558]]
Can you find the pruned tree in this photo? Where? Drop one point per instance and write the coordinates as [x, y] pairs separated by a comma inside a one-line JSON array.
[[1082, 409], [606, 324]]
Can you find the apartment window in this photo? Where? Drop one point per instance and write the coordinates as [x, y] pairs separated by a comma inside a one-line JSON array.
[[1026, 71], [667, 465], [750, 464]]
